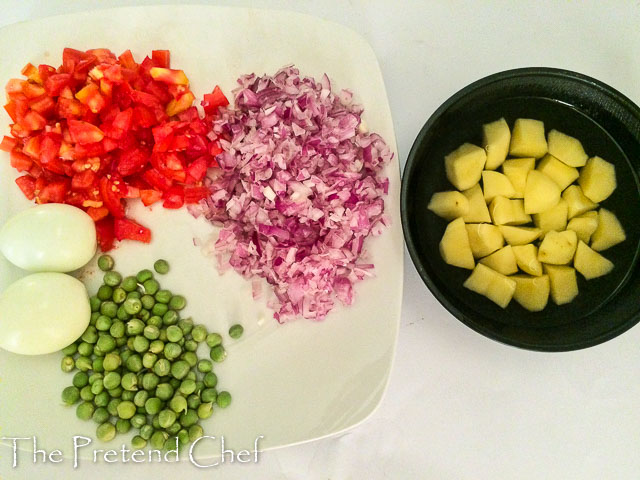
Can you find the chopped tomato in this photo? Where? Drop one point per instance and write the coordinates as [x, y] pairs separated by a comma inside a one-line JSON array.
[[211, 101], [20, 161], [8, 143], [160, 58], [150, 196], [111, 197], [27, 184], [105, 233], [97, 213], [167, 75], [126, 229], [193, 194], [197, 170], [83, 180], [84, 132], [53, 192], [173, 198]]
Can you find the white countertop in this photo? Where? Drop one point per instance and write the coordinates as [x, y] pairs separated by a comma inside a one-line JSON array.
[[460, 406]]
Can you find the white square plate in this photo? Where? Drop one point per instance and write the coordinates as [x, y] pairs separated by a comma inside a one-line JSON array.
[[290, 383]]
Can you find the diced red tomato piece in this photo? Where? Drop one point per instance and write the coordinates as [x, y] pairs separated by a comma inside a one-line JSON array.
[[33, 90], [211, 101], [161, 58], [105, 233], [111, 197], [173, 198], [45, 72], [123, 119], [149, 197], [32, 121], [157, 180], [97, 213], [84, 132], [127, 61], [83, 180], [180, 104], [32, 147], [70, 108], [103, 55], [27, 184], [10, 108], [193, 194], [43, 105], [72, 57], [143, 117], [167, 75], [53, 192], [198, 169], [91, 97], [132, 161], [49, 149], [20, 161], [8, 143], [126, 229], [144, 98], [32, 73]]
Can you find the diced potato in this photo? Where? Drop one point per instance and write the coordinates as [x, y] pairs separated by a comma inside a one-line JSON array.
[[564, 283], [449, 205], [584, 225], [557, 171], [494, 184], [609, 231], [464, 166], [527, 259], [566, 149], [531, 292], [590, 263], [502, 261], [496, 287], [527, 138], [496, 137], [478, 211], [558, 248], [454, 246], [540, 193], [577, 202], [484, 239], [516, 170], [508, 212], [554, 219], [597, 179], [519, 235]]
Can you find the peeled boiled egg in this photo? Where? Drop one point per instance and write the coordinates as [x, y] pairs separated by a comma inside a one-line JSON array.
[[49, 238], [43, 313]]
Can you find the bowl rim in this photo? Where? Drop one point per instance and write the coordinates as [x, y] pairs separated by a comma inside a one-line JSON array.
[[411, 162]]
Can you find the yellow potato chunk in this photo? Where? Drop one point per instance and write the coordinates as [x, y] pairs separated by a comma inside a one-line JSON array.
[[527, 138], [454, 245], [502, 261], [464, 166], [495, 286], [540, 193], [516, 170], [496, 137], [484, 239], [584, 225], [449, 205], [577, 202], [508, 212], [557, 171], [597, 179], [554, 219], [519, 235], [558, 248], [566, 149], [590, 263], [531, 292], [478, 211], [609, 231], [527, 259], [496, 184], [564, 283]]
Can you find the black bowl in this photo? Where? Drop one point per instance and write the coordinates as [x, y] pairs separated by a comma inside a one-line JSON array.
[[608, 125]]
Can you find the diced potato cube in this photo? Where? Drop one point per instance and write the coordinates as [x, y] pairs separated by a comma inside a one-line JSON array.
[[554, 219], [540, 193], [502, 261], [449, 205], [484, 239], [597, 179], [609, 231], [496, 137], [508, 212], [496, 287], [478, 211], [590, 263], [454, 246], [494, 184], [527, 259], [531, 292], [464, 166], [577, 202], [516, 170], [564, 283], [557, 171], [584, 225], [566, 149], [527, 139], [519, 235], [558, 248]]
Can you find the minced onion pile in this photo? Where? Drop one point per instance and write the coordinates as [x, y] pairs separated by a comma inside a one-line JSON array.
[[299, 190]]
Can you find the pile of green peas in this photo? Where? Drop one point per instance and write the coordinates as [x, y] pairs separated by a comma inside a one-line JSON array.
[[138, 366]]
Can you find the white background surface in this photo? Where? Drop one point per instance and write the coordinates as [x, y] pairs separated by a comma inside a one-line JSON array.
[[460, 406]]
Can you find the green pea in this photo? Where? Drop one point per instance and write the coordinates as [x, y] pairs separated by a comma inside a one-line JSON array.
[[236, 331], [158, 440], [191, 358], [177, 302], [126, 410], [164, 391], [155, 321], [98, 364], [205, 366], [157, 347], [146, 430], [85, 410], [106, 343], [83, 364], [106, 432], [180, 369], [199, 333], [172, 351], [149, 360], [70, 395], [195, 432], [109, 308], [155, 422], [192, 375], [147, 301], [94, 318], [118, 329], [153, 405], [112, 406], [94, 303], [163, 296], [119, 295], [105, 262], [98, 352], [210, 380], [140, 344], [150, 381], [80, 379], [183, 436], [90, 335], [186, 325], [116, 392], [174, 333], [134, 363], [162, 367], [139, 420], [102, 399], [187, 387], [161, 266], [123, 426], [135, 327], [166, 418], [129, 284], [112, 279], [100, 415], [193, 401], [111, 361], [127, 395], [141, 398], [178, 404], [151, 287], [159, 309], [129, 382], [138, 443], [174, 382], [144, 275], [132, 306], [121, 314], [112, 380], [205, 410], [189, 418], [209, 395], [103, 323], [224, 399], [191, 345], [70, 349], [214, 339], [218, 354], [199, 386], [97, 387], [151, 332], [104, 292], [67, 364], [95, 377], [171, 317], [121, 342]]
